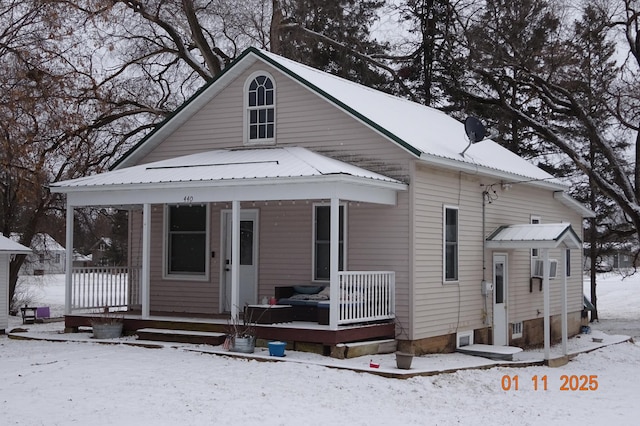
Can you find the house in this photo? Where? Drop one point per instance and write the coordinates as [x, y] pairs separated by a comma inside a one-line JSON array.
[[418, 234], [8, 248], [99, 251], [47, 256]]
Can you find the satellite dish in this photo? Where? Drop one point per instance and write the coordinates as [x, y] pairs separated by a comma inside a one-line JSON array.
[[475, 131]]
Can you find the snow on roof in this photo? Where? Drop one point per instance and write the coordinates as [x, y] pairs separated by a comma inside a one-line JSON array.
[[433, 133], [10, 246], [425, 132], [227, 165], [538, 235]]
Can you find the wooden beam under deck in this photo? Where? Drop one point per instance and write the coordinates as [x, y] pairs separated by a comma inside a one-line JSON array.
[[297, 331]]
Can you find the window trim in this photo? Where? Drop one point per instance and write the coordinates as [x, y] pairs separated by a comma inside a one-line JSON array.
[[166, 275], [446, 280], [313, 240], [245, 108]]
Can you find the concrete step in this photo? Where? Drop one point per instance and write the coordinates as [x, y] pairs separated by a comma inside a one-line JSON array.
[[180, 336]]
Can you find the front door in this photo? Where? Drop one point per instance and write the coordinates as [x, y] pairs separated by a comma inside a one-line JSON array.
[[500, 332], [248, 258]]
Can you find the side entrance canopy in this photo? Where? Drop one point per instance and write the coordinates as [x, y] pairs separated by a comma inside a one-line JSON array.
[[543, 237]]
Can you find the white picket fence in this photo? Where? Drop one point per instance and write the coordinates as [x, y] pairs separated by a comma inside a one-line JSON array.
[[104, 286], [365, 296]]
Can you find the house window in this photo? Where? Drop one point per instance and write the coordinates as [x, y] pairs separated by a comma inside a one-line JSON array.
[[186, 240], [322, 242], [451, 243], [567, 266], [260, 109]]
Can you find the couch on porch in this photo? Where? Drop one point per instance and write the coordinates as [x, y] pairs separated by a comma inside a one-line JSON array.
[[303, 299]]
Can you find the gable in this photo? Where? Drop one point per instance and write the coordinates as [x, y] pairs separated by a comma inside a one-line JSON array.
[[416, 130], [303, 119]]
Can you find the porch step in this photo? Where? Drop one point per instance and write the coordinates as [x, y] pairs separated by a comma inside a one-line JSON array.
[[180, 336], [370, 347]]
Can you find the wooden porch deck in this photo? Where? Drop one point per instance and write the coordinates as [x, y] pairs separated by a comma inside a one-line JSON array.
[[298, 333]]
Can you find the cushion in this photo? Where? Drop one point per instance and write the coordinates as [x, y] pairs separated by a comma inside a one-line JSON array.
[[326, 291], [307, 289]]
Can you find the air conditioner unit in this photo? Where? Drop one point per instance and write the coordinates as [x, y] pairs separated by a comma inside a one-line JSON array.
[[538, 268]]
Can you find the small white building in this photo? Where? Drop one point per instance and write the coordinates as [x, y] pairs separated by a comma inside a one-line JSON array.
[[8, 248], [47, 256]]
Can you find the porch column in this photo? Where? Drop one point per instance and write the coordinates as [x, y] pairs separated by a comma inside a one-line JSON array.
[[235, 258], [547, 321], [334, 280], [146, 260], [68, 276], [564, 303]]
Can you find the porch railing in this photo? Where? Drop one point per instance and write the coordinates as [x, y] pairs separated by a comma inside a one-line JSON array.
[[366, 296], [101, 286]]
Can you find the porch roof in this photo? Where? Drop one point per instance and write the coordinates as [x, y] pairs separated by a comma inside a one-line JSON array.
[[247, 174], [537, 235]]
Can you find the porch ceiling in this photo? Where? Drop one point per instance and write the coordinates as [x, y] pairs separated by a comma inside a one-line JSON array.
[[526, 236], [259, 174]]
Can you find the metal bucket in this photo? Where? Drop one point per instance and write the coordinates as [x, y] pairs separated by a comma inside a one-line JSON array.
[[244, 344]]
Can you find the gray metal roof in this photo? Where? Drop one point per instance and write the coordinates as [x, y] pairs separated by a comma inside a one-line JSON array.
[[538, 235], [225, 165]]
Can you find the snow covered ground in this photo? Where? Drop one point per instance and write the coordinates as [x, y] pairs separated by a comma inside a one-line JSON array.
[[62, 383]]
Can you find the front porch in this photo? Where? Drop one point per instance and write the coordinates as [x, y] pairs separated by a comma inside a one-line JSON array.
[[365, 309], [300, 335], [217, 231]]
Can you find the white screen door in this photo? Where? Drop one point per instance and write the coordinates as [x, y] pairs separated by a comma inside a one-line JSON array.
[[500, 299], [248, 258]]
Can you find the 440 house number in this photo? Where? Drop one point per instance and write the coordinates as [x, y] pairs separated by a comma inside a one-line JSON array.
[[571, 382]]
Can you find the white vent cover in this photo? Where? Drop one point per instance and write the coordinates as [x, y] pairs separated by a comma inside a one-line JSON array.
[[464, 338]]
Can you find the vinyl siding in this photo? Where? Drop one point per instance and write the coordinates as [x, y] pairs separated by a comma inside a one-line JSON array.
[[446, 307], [442, 308]]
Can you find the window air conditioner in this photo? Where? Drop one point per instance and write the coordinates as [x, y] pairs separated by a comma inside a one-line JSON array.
[[538, 268]]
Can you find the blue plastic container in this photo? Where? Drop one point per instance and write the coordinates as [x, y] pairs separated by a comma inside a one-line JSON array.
[[277, 348]]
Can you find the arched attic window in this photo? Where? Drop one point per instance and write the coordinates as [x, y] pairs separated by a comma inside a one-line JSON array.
[[260, 109]]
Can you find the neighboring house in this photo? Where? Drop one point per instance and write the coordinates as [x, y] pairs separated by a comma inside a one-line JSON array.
[[80, 260], [8, 248], [328, 182], [100, 252], [47, 257]]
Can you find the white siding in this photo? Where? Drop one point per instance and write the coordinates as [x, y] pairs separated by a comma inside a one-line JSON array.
[[446, 308]]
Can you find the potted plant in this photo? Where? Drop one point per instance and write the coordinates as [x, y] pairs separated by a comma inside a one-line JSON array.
[[107, 324], [241, 336], [403, 360]]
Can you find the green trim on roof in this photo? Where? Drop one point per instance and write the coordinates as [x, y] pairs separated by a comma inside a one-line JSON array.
[[284, 69], [324, 94]]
